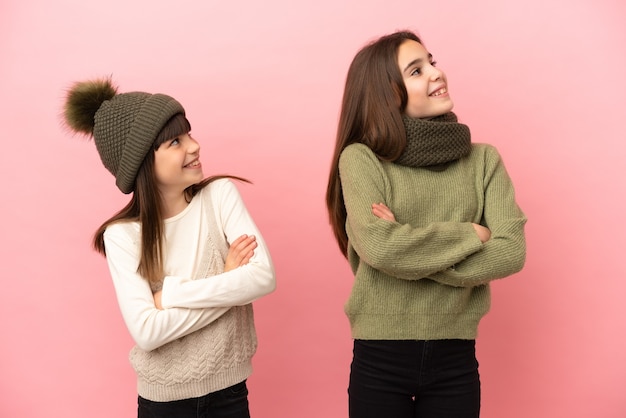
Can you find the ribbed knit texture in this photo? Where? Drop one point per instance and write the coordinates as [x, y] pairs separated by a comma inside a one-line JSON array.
[[426, 275], [210, 359], [434, 141], [125, 128]]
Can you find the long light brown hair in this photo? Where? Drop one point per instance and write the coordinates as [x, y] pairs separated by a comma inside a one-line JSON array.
[[374, 99], [146, 207]]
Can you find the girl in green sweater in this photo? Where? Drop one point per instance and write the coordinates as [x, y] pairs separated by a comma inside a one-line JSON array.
[[426, 220]]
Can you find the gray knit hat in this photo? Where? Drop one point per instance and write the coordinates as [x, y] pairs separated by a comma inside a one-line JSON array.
[[124, 126]]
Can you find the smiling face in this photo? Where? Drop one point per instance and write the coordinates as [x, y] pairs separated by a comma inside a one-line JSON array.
[[177, 164], [426, 85]]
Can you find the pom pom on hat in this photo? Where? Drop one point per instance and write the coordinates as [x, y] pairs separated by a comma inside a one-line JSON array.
[[83, 101], [124, 126]]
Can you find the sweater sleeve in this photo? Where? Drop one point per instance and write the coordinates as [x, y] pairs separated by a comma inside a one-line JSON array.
[[149, 327], [505, 252], [237, 287], [399, 250]]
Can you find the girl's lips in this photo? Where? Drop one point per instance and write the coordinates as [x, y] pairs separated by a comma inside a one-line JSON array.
[[439, 92], [193, 164]]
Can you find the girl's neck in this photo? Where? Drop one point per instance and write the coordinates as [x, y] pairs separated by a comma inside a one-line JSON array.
[[173, 204]]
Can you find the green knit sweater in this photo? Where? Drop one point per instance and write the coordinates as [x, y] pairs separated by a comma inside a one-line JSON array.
[[426, 276]]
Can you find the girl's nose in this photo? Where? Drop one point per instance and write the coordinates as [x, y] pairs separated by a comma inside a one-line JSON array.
[[436, 73], [193, 146]]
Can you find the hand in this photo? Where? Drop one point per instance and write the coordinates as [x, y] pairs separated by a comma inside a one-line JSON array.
[[383, 212], [157, 300], [483, 232], [240, 252]]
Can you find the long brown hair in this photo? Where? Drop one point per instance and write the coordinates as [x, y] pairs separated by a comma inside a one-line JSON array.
[[374, 99], [145, 205]]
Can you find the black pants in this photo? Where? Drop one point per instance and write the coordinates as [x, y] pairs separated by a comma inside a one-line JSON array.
[[231, 402], [414, 379]]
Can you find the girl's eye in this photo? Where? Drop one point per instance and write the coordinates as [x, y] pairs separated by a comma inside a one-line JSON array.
[[416, 71], [433, 63], [175, 141]]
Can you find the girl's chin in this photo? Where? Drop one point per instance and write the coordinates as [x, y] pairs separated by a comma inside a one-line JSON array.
[[432, 113]]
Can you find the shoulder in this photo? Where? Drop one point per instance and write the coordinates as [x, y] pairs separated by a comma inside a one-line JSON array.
[[486, 152], [220, 192], [123, 232], [357, 154], [123, 228], [484, 148], [357, 149], [217, 188]]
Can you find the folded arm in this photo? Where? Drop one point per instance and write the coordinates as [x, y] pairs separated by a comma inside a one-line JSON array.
[[505, 252], [504, 249], [238, 286], [148, 326], [400, 250]]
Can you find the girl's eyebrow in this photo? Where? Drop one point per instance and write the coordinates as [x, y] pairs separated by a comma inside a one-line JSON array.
[[417, 61]]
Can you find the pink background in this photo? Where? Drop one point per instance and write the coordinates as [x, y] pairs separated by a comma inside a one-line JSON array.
[[544, 81]]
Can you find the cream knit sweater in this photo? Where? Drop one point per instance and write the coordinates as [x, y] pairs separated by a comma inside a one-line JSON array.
[[426, 276], [204, 339]]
